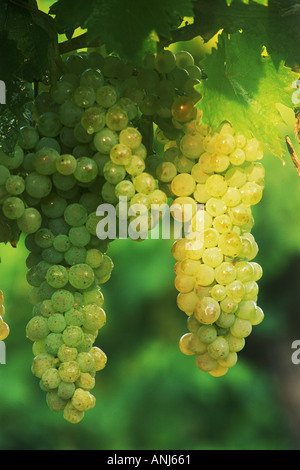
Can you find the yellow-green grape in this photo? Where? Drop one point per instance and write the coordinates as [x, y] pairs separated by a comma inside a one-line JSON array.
[[184, 344], [116, 118], [207, 310], [183, 109], [83, 400], [130, 137], [216, 185], [183, 185], [191, 145], [4, 330], [100, 358], [144, 183]]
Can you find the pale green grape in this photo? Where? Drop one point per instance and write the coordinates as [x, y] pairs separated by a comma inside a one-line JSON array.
[[43, 238], [219, 348], [62, 300], [70, 114], [218, 292], [72, 336], [224, 143], [29, 137], [44, 161], [61, 91], [230, 244], [83, 400], [207, 310], [86, 170], [114, 173], [216, 185], [191, 145], [37, 185], [183, 185], [236, 177], [79, 236], [13, 208], [75, 214], [49, 124], [30, 221], [241, 328], [57, 276], [53, 206], [84, 96], [166, 172], [165, 61], [13, 160], [81, 276], [106, 96], [56, 323], [92, 120], [41, 363], [74, 316], [91, 77], [61, 243], [213, 257], [69, 371], [136, 166], [37, 328], [130, 137], [94, 317], [105, 140], [65, 390], [116, 118], [121, 154], [225, 273], [251, 193], [71, 413], [144, 183]]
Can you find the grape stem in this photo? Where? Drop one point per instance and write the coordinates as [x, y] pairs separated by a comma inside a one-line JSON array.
[[78, 42], [293, 154]]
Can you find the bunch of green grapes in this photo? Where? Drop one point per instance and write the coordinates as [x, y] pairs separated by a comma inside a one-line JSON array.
[[84, 148], [216, 275], [4, 328], [87, 146]]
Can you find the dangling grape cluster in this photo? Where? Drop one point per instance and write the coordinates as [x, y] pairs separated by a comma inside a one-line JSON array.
[[216, 275], [83, 149], [86, 147], [4, 328]]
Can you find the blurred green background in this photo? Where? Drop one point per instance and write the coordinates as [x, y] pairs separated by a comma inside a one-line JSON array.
[[150, 396]]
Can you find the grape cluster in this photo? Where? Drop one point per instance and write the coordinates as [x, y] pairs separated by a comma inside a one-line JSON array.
[[4, 328], [86, 146], [216, 275]]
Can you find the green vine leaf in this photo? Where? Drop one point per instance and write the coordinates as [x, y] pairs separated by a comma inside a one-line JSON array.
[[244, 88]]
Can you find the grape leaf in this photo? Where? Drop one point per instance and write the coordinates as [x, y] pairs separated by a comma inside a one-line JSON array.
[[29, 52], [13, 114], [125, 25], [282, 32], [69, 18], [244, 88], [36, 38]]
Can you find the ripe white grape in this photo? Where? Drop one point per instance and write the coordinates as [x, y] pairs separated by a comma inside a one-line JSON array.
[[87, 147]]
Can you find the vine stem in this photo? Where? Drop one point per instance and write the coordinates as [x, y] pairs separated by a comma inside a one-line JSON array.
[[78, 42], [293, 154]]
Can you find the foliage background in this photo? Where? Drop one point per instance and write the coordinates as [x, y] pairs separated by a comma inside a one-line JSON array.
[[150, 396]]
